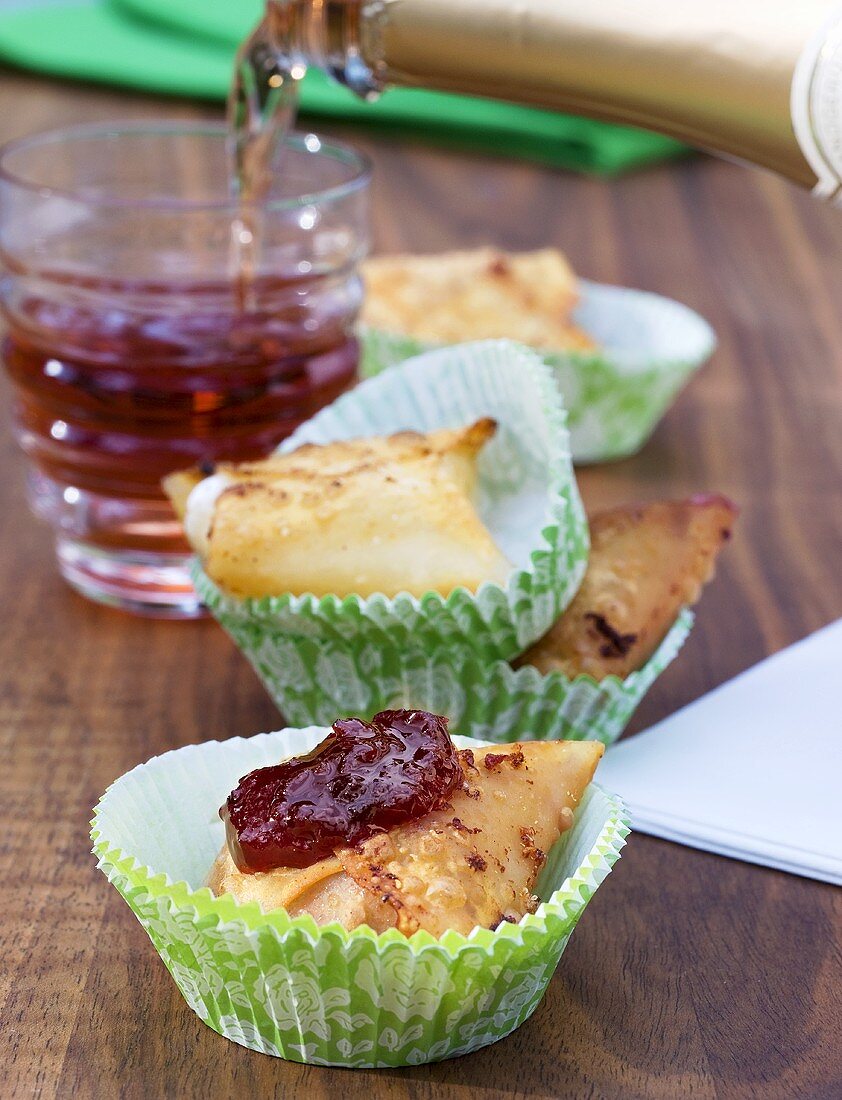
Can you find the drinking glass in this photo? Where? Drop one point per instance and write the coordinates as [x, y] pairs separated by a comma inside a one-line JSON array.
[[136, 345]]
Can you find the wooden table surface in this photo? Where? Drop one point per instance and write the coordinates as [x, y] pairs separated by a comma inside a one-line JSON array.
[[690, 975]]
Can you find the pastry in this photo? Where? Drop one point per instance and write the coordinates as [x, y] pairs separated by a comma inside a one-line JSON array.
[[646, 563], [483, 294], [387, 824], [363, 516]]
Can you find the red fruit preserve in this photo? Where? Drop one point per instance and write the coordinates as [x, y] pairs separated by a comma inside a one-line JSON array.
[[362, 779]]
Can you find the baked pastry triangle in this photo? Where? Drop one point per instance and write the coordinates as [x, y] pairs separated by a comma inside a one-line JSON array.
[[479, 294], [471, 863], [646, 563], [382, 515]]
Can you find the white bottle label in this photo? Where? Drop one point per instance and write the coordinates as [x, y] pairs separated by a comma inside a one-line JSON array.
[[816, 104]]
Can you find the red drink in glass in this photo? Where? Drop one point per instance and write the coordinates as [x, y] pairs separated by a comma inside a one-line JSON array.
[[126, 342]]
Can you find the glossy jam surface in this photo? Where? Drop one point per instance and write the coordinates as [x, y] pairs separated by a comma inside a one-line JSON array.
[[362, 779]]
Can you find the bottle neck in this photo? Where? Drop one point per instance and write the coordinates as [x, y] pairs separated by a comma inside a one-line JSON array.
[[758, 82], [328, 34]]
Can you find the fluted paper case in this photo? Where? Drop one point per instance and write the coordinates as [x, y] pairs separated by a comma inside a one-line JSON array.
[[315, 680], [288, 988], [527, 497], [615, 395]]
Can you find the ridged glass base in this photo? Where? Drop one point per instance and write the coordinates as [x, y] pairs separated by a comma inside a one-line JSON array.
[[156, 585]]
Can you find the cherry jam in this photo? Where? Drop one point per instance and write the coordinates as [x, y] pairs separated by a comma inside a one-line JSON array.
[[362, 779]]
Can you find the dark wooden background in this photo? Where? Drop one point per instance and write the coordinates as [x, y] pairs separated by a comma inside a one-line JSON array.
[[690, 975]]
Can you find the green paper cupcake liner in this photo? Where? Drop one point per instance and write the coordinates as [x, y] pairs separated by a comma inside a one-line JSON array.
[[616, 395], [314, 681], [527, 497], [288, 988]]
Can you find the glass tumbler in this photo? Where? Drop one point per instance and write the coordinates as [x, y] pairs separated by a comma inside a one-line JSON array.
[[135, 343]]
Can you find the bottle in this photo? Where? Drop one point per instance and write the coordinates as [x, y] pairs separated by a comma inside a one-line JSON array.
[[751, 79]]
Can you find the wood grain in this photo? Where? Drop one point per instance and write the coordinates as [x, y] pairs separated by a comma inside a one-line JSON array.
[[691, 975]]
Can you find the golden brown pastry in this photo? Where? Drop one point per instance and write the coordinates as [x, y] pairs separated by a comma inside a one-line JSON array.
[[472, 862], [388, 515], [482, 294], [646, 563]]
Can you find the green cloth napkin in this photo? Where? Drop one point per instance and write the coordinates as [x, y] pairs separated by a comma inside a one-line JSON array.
[[185, 48]]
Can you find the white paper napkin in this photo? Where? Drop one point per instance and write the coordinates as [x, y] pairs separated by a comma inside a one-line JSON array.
[[753, 770]]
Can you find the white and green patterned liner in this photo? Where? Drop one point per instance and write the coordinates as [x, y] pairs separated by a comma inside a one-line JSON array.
[[649, 346], [315, 680], [527, 497], [286, 987]]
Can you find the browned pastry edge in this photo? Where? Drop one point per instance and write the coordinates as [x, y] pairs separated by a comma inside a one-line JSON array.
[[647, 561]]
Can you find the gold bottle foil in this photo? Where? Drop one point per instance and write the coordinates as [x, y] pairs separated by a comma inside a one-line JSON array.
[[717, 74]]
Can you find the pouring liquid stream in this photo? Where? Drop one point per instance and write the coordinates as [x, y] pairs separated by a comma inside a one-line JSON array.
[[262, 108]]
